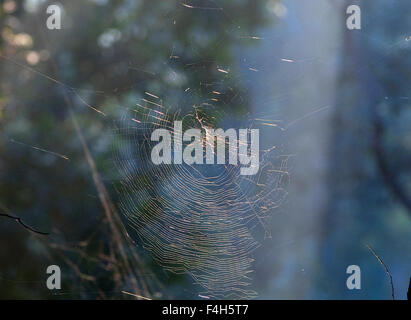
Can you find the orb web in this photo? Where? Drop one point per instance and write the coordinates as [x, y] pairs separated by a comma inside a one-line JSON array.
[[200, 220]]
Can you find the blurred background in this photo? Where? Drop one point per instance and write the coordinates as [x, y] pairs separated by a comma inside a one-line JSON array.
[[342, 98]]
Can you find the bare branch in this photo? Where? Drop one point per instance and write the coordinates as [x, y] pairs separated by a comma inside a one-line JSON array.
[[17, 219], [386, 269], [135, 295]]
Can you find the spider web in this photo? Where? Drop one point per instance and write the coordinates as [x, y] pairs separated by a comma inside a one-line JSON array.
[[204, 221]]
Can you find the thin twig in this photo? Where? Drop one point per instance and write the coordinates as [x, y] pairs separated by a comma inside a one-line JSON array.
[[385, 267], [17, 219], [135, 295]]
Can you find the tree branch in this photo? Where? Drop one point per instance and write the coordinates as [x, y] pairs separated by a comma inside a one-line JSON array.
[[17, 219], [386, 269]]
